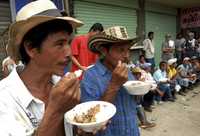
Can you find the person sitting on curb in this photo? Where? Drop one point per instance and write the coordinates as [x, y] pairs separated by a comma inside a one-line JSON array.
[[144, 123], [163, 82]]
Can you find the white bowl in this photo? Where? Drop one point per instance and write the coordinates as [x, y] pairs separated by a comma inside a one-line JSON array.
[[137, 87], [152, 83], [107, 111]]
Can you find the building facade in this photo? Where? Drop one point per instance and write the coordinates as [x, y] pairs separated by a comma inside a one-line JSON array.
[[138, 16]]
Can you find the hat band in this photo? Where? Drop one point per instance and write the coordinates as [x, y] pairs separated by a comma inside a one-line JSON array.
[[50, 12]]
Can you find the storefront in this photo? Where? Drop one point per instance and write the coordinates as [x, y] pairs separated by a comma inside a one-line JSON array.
[[161, 20], [107, 12], [190, 20]]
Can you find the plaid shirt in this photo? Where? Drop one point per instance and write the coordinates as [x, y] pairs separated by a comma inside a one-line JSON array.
[[93, 86]]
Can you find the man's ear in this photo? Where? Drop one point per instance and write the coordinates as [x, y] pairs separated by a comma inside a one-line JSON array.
[[29, 49], [103, 51]]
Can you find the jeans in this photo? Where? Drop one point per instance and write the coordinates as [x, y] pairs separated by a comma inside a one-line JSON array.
[[152, 61], [166, 89]]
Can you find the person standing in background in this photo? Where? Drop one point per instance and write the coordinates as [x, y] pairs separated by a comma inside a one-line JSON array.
[[81, 56], [149, 49], [168, 48], [179, 47], [191, 46]]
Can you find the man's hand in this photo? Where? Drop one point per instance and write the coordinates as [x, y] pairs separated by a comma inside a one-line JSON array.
[[119, 74], [66, 94], [102, 129]]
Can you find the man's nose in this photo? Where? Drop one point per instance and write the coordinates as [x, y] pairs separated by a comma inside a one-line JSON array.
[[67, 50]]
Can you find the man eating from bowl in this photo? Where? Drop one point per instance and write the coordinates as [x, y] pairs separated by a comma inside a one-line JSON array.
[[30, 104], [104, 81]]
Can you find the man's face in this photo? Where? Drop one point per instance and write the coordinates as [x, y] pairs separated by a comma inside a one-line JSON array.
[[151, 36], [118, 52], [54, 54], [163, 66]]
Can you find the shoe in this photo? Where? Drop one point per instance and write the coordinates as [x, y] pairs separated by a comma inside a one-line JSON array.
[[147, 125], [171, 99], [160, 102], [181, 93], [149, 109]]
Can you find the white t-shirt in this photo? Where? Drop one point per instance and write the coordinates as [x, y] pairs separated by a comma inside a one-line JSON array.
[[20, 112], [148, 48]]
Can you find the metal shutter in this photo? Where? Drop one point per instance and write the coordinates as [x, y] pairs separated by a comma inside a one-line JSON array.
[[107, 14], [5, 20], [5, 17]]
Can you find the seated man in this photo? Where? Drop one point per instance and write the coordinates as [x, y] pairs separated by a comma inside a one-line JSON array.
[[144, 123], [172, 75], [185, 78], [104, 81], [149, 97], [195, 67], [160, 77]]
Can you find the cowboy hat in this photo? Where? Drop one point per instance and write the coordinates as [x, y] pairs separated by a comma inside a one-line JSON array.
[[114, 34], [31, 15]]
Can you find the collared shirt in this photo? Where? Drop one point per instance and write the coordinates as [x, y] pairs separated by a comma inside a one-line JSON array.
[[183, 70], [20, 112], [149, 48], [159, 75], [171, 72], [93, 86]]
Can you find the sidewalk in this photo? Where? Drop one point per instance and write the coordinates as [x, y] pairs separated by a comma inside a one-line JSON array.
[[181, 118]]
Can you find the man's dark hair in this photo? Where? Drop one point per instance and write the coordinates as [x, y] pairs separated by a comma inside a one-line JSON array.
[[38, 34], [141, 56], [150, 33], [96, 27], [162, 63]]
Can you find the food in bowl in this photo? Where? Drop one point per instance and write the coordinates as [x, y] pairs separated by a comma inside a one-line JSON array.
[[137, 87], [101, 110], [89, 116]]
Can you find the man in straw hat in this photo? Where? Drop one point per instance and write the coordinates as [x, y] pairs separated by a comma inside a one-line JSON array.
[[105, 79], [30, 104]]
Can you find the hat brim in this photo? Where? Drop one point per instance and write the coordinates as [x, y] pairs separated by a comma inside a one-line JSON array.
[[20, 28], [101, 39]]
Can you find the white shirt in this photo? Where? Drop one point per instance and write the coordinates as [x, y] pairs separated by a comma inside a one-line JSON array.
[[148, 48], [20, 112]]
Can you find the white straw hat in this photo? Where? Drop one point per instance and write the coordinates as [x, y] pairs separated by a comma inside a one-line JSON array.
[[31, 15]]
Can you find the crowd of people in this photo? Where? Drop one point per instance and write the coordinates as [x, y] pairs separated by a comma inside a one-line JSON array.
[[177, 73], [33, 104]]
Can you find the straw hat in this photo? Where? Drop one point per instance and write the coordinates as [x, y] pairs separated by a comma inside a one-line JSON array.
[[136, 70], [114, 34], [31, 15]]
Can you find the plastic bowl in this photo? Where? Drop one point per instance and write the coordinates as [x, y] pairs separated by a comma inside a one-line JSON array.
[[107, 111], [137, 87]]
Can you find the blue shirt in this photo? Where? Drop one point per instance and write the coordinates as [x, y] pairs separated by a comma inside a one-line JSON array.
[[159, 75], [93, 86]]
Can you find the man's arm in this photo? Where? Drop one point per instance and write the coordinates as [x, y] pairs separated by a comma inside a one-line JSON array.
[[75, 61], [64, 96], [119, 77]]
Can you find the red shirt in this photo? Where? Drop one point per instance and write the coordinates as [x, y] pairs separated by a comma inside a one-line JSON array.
[[79, 49]]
